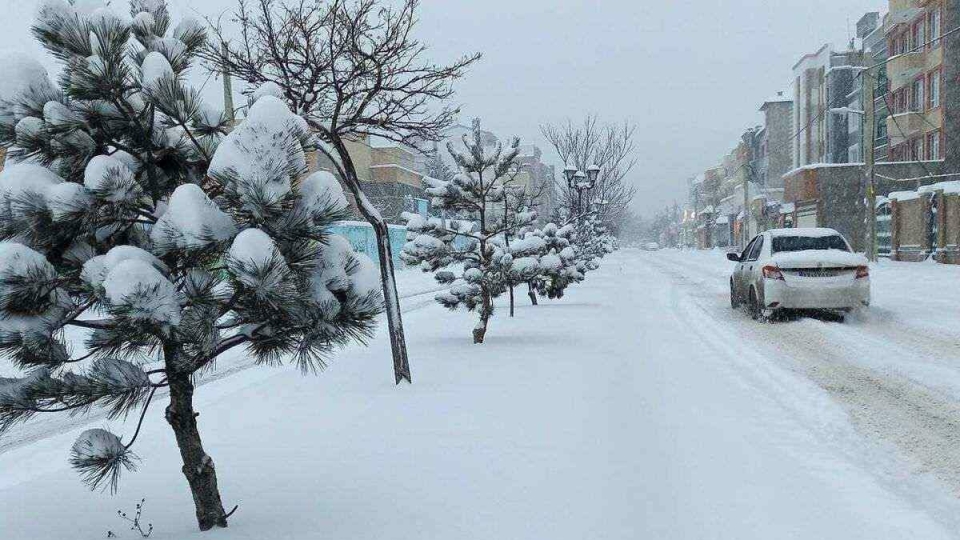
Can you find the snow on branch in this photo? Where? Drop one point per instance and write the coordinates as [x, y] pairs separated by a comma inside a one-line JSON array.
[[100, 457]]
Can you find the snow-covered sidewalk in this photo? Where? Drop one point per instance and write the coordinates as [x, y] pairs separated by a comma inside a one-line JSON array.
[[637, 407], [416, 290]]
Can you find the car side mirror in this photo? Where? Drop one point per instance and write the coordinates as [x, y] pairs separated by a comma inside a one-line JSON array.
[[733, 257]]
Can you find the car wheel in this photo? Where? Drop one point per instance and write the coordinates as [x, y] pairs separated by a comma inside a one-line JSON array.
[[734, 298], [756, 310]]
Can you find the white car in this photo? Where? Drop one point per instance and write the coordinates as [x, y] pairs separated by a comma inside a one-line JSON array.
[[799, 269], [651, 246]]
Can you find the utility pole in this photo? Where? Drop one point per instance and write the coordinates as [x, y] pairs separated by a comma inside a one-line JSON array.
[[747, 211], [869, 147]]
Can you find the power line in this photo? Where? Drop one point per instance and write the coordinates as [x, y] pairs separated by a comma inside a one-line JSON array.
[[913, 50], [892, 179]]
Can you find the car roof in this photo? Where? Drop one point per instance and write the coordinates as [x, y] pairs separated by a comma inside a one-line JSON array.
[[809, 232]]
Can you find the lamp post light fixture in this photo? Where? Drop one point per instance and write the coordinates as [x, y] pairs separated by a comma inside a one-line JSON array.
[[593, 173], [568, 174], [579, 181]]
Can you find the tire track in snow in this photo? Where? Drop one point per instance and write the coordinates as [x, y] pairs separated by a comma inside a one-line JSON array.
[[925, 341], [921, 423], [805, 405]]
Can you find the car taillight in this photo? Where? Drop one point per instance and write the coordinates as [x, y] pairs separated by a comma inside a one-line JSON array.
[[772, 272], [863, 272]]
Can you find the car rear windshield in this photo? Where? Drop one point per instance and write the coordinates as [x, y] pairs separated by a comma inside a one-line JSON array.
[[804, 243]]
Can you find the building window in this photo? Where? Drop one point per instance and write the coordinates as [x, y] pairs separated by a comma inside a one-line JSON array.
[[916, 96], [935, 89], [933, 21], [853, 154], [933, 145], [894, 153], [899, 101], [881, 82], [915, 149]]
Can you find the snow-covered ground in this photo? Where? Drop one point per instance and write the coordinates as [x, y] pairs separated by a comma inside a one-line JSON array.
[[417, 290], [639, 406]]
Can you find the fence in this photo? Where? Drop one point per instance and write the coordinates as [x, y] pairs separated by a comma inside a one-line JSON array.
[[361, 237], [923, 223]]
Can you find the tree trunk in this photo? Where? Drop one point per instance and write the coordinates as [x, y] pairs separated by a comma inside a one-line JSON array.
[[398, 341], [511, 300], [197, 465], [480, 331], [486, 310], [532, 294]]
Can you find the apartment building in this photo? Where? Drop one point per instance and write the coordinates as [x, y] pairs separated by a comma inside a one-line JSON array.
[[774, 158], [705, 192], [916, 79], [822, 81], [538, 179], [870, 31], [391, 175]]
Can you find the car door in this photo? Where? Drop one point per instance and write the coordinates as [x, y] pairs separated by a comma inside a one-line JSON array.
[[739, 273], [751, 269]]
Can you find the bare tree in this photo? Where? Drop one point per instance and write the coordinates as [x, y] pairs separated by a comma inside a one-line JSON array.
[[609, 146], [351, 69]]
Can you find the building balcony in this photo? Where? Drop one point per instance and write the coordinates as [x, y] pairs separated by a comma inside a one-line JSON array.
[[901, 12], [904, 126], [395, 174], [903, 69]]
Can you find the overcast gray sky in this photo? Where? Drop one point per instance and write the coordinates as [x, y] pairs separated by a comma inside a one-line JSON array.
[[690, 73]]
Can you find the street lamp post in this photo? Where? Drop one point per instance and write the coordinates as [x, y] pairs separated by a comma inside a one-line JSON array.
[[580, 181], [869, 129]]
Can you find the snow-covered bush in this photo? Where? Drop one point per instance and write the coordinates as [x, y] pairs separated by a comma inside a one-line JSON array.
[[560, 264], [131, 210], [592, 241], [478, 239]]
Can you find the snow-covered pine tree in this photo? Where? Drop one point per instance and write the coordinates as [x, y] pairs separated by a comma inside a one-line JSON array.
[[127, 211], [592, 241], [476, 240], [560, 265], [522, 267], [353, 70], [437, 168]]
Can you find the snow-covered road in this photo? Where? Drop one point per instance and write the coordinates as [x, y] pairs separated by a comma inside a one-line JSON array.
[[895, 368], [638, 407]]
